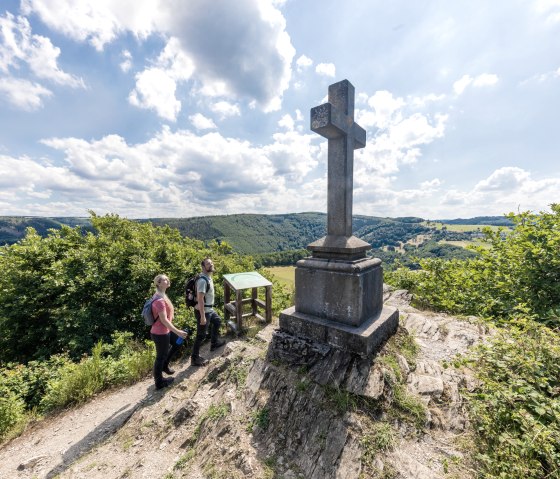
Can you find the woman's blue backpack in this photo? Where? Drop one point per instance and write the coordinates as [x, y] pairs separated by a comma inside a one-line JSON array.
[[147, 311]]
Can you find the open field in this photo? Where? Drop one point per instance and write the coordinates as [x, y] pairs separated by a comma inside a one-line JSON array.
[[464, 244], [461, 228], [284, 274]]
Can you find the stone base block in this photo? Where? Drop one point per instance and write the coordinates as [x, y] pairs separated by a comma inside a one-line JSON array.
[[348, 292], [365, 339]]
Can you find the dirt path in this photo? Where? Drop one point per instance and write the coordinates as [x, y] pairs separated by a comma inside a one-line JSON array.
[[50, 446]]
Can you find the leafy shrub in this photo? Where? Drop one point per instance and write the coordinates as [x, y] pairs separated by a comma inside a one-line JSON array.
[[12, 411], [516, 408], [515, 274], [29, 381], [67, 291], [119, 363]]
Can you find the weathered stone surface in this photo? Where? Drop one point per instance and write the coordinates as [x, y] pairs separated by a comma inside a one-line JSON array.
[[335, 121], [341, 291], [338, 291], [375, 384], [350, 464], [183, 414], [365, 339], [426, 385]]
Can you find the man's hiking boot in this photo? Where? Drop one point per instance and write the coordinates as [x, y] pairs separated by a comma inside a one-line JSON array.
[[218, 344], [168, 370], [165, 383], [200, 361]]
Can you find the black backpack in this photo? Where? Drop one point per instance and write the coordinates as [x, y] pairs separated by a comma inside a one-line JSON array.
[[190, 289]]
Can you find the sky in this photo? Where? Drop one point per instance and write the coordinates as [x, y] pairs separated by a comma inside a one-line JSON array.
[[179, 108]]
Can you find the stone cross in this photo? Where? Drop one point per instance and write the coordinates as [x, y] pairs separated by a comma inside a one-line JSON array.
[[335, 121]]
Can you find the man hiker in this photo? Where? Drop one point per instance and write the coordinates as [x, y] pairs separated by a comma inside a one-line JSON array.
[[206, 318]]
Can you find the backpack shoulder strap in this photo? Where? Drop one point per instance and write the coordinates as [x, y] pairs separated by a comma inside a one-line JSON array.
[[155, 297]]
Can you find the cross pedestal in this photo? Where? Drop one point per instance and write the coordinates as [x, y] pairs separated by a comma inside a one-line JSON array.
[[339, 291]]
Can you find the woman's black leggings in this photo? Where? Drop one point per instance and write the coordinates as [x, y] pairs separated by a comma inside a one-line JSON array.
[[164, 353]]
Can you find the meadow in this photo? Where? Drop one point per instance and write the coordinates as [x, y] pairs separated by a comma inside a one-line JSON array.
[[285, 275]]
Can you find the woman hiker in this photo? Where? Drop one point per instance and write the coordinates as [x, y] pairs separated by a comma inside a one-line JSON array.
[[163, 333]]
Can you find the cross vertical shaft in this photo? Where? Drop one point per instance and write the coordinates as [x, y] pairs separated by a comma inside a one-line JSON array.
[[335, 121]]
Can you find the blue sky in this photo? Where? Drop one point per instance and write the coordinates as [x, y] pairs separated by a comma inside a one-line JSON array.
[[174, 108]]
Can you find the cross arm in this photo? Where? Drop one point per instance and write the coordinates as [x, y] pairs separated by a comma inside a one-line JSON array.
[[331, 123]]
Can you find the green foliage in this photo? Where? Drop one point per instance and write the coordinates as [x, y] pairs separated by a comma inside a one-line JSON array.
[[378, 436], [67, 291], [30, 381], [516, 407], [515, 410], [12, 411], [260, 418], [217, 411], [122, 362], [517, 274], [185, 459], [280, 258]]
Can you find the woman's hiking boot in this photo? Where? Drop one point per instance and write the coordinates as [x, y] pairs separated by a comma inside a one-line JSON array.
[[165, 383]]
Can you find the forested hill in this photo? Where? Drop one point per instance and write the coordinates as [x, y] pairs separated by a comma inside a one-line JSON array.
[[246, 233], [480, 220], [12, 228], [253, 233]]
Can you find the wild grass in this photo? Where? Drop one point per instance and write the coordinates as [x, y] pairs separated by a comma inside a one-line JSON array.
[[32, 391], [285, 275]]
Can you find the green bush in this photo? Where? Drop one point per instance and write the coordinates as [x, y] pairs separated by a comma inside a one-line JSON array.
[[515, 409], [12, 411], [122, 362], [67, 291], [514, 274], [41, 387]]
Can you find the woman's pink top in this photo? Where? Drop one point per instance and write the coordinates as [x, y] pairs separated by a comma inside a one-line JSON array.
[[159, 305]]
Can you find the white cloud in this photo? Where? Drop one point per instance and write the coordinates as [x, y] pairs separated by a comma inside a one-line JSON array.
[[155, 90], [507, 189], [244, 50], [417, 130], [200, 122], [98, 22], [485, 79], [504, 179], [401, 133], [175, 62], [550, 9], [156, 86], [294, 156], [460, 85], [23, 93], [20, 47], [162, 176], [126, 64], [542, 77], [422, 101], [326, 69], [303, 62], [225, 109], [431, 184], [386, 110], [286, 122]]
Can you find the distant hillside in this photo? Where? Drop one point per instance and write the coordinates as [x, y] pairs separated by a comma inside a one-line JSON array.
[[480, 220], [12, 228], [256, 234], [252, 234]]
